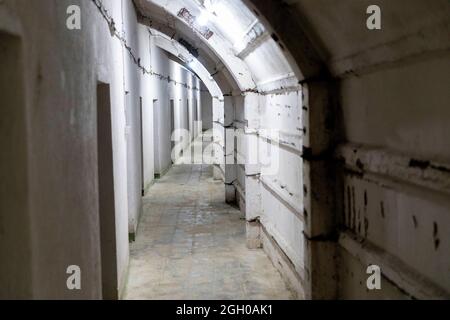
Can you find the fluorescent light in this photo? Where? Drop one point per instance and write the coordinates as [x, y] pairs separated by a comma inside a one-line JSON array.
[[204, 18], [226, 21], [191, 64]]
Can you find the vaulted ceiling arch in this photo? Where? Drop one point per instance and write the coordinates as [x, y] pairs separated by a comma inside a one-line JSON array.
[[228, 38], [175, 48]]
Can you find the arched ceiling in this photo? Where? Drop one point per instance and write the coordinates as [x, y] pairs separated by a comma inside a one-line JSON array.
[[327, 36], [409, 27], [231, 42], [175, 48], [249, 48]]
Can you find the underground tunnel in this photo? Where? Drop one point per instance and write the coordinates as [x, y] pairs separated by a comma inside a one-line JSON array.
[[224, 149]]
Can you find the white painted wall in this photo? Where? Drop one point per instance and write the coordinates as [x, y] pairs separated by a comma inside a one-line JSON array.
[[185, 97], [147, 109], [53, 62], [133, 94], [282, 189], [61, 72], [62, 68], [207, 109], [393, 94]]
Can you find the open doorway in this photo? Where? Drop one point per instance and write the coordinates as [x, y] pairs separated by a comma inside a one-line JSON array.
[[188, 119], [195, 118], [15, 261], [106, 194], [156, 137], [181, 126], [172, 126], [141, 132]]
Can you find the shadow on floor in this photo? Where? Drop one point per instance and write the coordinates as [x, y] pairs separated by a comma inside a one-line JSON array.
[[191, 245]]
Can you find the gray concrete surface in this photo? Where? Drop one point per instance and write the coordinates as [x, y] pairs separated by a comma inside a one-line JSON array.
[[191, 245]]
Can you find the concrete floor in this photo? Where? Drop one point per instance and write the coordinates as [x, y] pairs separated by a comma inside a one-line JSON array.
[[191, 245]]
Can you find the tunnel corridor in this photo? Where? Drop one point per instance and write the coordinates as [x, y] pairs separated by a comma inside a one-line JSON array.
[[224, 149], [191, 245]]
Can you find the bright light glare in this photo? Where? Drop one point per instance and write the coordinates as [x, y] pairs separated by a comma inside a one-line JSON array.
[[191, 64], [228, 22], [204, 18]]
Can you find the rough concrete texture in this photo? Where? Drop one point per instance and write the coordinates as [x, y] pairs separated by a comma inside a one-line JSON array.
[[385, 91], [191, 245], [380, 95], [61, 71]]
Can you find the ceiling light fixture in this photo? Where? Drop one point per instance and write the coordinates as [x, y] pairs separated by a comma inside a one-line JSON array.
[[204, 18]]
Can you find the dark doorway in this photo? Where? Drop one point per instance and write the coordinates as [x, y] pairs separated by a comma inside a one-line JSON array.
[[156, 142], [141, 132], [172, 127], [106, 194], [182, 126], [195, 119], [15, 242], [188, 119]]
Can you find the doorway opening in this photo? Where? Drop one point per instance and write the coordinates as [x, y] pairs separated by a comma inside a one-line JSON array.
[[107, 212], [172, 128], [15, 265], [156, 137], [141, 132], [188, 119]]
